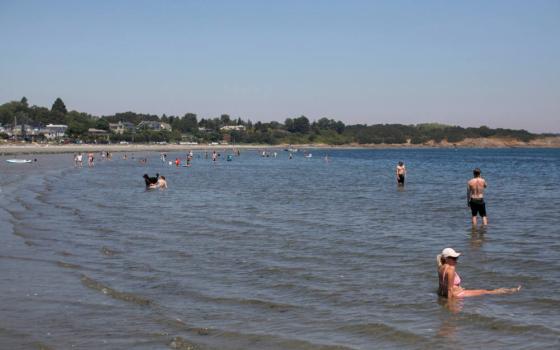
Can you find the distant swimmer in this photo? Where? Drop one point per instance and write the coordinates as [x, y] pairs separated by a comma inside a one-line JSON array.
[[151, 182], [177, 162], [475, 197], [214, 156], [162, 183], [91, 159], [401, 173], [450, 282]]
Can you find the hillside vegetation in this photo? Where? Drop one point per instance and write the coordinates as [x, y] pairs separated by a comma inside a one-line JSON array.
[[298, 130]]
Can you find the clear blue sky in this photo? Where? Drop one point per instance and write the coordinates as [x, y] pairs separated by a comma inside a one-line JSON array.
[[469, 63]]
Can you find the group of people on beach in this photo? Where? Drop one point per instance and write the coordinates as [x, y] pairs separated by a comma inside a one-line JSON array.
[[79, 160], [449, 280]]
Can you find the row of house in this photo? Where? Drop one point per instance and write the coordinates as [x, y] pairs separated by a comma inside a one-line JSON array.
[[54, 131], [51, 131], [123, 127]]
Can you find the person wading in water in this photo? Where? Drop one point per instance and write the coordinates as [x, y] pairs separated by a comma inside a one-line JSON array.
[[475, 197]]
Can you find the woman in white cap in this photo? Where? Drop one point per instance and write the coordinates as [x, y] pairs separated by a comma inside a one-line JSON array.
[[450, 282]]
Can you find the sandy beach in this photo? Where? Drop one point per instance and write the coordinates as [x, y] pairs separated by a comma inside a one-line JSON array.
[[27, 148]]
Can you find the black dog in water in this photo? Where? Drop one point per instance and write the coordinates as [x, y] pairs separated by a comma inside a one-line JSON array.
[[150, 180]]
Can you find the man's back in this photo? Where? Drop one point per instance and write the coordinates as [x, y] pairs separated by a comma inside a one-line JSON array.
[[476, 187]]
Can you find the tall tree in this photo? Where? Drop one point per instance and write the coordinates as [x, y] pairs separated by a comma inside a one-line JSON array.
[[59, 107], [301, 125], [225, 119], [191, 122]]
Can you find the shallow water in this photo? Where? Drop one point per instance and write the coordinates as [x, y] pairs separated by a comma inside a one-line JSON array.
[[272, 253]]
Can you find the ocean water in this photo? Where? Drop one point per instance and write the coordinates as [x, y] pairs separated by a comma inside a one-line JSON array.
[[273, 253]]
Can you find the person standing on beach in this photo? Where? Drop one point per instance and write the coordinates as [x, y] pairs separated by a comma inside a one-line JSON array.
[[401, 173], [475, 197]]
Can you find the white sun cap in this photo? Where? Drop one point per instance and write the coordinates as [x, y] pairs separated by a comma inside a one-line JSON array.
[[449, 252]]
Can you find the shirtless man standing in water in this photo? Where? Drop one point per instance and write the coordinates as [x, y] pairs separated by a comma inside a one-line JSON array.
[[475, 197], [401, 173]]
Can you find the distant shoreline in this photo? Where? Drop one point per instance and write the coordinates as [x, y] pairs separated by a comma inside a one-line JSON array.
[[11, 148]]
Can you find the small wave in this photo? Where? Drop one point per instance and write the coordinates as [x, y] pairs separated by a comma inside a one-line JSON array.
[[128, 297], [384, 331], [108, 252], [546, 302], [181, 344], [278, 270], [240, 340], [24, 258], [280, 307], [263, 304], [15, 214], [16, 340], [499, 324], [20, 234], [23, 203], [67, 265]]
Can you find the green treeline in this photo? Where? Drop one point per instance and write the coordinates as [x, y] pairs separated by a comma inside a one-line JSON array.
[[188, 127]]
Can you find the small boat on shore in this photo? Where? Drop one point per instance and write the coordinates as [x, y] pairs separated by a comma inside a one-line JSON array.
[[19, 161]]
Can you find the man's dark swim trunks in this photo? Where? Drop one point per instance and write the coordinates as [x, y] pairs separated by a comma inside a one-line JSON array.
[[478, 207], [400, 180]]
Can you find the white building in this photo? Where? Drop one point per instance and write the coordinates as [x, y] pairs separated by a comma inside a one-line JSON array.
[[232, 127], [122, 127], [154, 125], [53, 131]]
